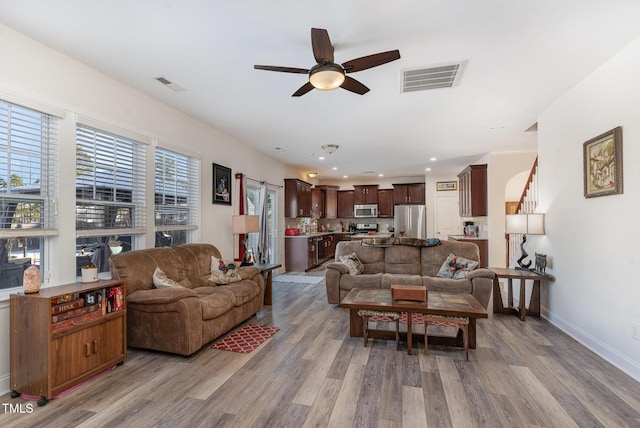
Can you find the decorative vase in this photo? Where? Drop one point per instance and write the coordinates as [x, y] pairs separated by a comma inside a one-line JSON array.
[[31, 280], [89, 273]]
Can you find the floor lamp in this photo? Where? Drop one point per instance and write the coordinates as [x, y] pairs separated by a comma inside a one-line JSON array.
[[243, 225], [526, 224]]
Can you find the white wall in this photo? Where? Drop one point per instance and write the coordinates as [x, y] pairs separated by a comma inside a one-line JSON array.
[[591, 242], [37, 74]]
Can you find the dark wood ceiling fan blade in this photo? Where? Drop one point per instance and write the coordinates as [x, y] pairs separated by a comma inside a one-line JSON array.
[[370, 61], [303, 90], [281, 69], [321, 45], [351, 84]]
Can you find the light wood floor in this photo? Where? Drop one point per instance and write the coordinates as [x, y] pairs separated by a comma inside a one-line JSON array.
[[311, 373]]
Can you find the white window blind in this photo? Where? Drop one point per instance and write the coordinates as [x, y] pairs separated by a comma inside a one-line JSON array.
[[28, 172], [176, 191], [110, 184]]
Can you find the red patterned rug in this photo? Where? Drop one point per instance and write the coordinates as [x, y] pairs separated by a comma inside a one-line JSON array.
[[246, 339]]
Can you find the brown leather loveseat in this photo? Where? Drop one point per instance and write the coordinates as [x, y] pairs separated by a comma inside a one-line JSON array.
[[182, 320]]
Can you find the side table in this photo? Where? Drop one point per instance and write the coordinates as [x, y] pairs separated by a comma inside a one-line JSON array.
[[267, 272], [523, 276]]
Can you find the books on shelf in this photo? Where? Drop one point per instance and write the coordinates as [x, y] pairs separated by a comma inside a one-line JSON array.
[[79, 308]]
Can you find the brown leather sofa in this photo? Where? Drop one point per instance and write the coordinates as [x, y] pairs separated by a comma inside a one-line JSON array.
[[406, 265], [182, 320]]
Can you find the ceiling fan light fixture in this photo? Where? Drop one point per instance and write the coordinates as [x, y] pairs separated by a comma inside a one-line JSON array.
[[326, 76]]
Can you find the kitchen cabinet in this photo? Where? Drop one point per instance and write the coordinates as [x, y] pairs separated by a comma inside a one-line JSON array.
[[345, 203], [385, 203], [297, 198], [473, 191], [324, 202], [413, 193], [300, 253], [367, 194], [59, 338]]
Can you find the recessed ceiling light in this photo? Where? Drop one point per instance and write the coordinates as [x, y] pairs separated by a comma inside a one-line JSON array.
[[321, 158], [312, 174], [335, 168], [345, 176], [427, 169], [380, 175], [433, 159]]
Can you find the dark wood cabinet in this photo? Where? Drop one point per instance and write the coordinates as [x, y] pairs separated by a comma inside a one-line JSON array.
[[385, 203], [345, 203], [297, 198], [300, 253], [324, 202], [54, 347], [473, 191], [413, 193], [367, 194]]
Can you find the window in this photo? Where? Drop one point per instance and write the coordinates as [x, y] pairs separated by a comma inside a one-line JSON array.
[[110, 183], [28, 189], [176, 197]]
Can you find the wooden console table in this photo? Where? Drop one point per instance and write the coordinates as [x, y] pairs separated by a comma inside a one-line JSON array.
[[267, 271], [523, 276]]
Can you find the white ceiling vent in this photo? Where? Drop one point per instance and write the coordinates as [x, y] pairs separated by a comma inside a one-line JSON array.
[[169, 84], [421, 79]]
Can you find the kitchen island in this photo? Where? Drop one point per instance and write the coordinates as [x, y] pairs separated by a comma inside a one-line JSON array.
[[305, 252]]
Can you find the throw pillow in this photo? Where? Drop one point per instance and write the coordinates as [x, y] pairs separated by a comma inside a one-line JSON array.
[[456, 267], [161, 280], [223, 271], [353, 263]]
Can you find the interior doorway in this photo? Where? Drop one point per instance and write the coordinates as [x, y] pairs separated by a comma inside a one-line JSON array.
[[447, 216]]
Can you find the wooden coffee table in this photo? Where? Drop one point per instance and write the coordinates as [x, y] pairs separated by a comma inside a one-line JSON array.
[[447, 304]]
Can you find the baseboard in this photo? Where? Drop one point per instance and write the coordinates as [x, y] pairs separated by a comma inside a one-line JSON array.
[[5, 383]]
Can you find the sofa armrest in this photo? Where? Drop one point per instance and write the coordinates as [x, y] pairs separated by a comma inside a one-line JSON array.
[[157, 296], [341, 267], [482, 283], [248, 272]]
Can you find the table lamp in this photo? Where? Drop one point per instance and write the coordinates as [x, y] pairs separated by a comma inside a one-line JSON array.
[[526, 224], [243, 225]]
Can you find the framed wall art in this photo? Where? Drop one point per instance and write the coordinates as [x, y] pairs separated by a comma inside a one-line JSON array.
[[443, 186], [602, 158], [221, 184]]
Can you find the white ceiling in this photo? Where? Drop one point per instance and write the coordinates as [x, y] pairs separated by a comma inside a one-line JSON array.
[[519, 57]]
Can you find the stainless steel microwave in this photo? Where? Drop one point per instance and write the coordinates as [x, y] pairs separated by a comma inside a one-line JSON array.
[[369, 210]]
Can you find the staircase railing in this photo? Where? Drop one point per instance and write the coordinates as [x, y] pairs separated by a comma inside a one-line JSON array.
[[527, 204]]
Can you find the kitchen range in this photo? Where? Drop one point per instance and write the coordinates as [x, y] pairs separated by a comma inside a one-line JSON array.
[[369, 230]]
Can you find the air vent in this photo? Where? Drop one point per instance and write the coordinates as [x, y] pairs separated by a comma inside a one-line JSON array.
[[169, 84], [422, 79]]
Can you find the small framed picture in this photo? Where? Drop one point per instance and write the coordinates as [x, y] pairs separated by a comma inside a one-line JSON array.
[[445, 186], [602, 157], [221, 184]]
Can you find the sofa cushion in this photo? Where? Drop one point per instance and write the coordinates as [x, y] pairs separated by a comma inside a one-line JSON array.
[[456, 267], [433, 257], [244, 291], [161, 280], [224, 271], [402, 259], [196, 260], [447, 285], [215, 301], [373, 280], [388, 279], [353, 263]]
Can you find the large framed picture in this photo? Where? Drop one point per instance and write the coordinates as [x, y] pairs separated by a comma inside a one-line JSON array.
[[221, 184], [602, 157]]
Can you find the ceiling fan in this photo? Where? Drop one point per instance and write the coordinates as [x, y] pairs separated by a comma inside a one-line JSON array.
[[328, 75]]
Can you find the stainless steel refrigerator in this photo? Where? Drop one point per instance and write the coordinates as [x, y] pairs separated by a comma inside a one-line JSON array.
[[410, 221]]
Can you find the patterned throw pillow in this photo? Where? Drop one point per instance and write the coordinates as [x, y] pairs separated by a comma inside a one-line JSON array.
[[353, 263], [223, 271], [161, 280], [456, 267]]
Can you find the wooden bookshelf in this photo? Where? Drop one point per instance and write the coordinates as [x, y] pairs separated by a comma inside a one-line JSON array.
[[56, 342]]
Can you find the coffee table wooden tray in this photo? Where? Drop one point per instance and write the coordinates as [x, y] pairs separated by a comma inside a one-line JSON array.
[[448, 304]]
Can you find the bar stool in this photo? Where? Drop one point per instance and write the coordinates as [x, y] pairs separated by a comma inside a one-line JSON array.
[[379, 316], [448, 321]]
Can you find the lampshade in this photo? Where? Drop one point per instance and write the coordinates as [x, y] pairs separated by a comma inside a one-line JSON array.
[[246, 224], [529, 224], [326, 76]]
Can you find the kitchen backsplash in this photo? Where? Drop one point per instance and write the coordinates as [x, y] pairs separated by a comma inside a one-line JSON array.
[[336, 224]]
